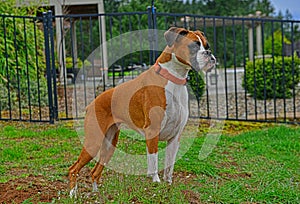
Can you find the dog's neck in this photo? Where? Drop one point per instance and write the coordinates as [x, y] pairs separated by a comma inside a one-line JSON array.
[[174, 66]]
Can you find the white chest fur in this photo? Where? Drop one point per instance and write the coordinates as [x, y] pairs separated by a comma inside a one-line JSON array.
[[177, 112]]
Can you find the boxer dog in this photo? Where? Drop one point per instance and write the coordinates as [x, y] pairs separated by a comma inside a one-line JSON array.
[[154, 104]]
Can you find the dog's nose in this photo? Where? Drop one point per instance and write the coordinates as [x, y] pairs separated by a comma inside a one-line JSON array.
[[213, 59]]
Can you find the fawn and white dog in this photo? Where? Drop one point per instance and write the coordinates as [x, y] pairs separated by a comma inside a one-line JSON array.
[[154, 104]]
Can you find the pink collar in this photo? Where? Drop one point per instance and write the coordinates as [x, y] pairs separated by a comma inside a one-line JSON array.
[[167, 75]]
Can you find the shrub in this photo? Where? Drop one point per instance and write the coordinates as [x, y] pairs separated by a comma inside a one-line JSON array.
[[36, 94], [265, 79], [6, 102], [197, 84], [77, 64]]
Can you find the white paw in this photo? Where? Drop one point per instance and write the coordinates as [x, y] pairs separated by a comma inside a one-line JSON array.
[[155, 178], [73, 192], [168, 180], [95, 187]]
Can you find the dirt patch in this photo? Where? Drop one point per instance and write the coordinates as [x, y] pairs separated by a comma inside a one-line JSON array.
[[32, 188], [236, 175], [191, 196], [184, 177], [228, 164]]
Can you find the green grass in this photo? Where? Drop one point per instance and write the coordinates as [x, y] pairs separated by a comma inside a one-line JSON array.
[[125, 73], [258, 166]]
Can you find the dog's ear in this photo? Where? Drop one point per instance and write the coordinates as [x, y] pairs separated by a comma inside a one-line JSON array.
[[174, 34]]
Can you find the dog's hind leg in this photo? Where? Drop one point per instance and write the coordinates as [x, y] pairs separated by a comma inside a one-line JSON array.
[[92, 143], [107, 150], [88, 152], [83, 159]]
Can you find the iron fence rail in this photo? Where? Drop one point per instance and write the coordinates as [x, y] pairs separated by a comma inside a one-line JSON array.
[[76, 57]]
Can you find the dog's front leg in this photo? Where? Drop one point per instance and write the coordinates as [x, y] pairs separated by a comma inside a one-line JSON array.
[[152, 136], [152, 159], [171, 151]]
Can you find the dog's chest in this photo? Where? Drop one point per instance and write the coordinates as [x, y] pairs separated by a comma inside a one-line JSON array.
[[176, 114]]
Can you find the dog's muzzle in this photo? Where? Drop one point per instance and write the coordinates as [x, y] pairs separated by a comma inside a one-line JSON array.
[[210, 61]]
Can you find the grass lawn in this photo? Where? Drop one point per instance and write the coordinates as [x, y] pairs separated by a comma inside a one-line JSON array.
[[125, 73], [252, 163]]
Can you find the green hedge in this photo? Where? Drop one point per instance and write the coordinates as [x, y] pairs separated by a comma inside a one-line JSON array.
[[34, 95], [266, 79], [77, 64], [22, 59]]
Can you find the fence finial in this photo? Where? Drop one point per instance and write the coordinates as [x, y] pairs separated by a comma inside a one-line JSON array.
[[152, 6]]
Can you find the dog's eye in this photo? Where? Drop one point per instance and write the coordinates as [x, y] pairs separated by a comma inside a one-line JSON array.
[[207, 46], [197, 44]]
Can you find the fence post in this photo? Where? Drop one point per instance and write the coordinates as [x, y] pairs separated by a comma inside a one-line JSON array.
[[48, 65], [52, 67], [152, 34]]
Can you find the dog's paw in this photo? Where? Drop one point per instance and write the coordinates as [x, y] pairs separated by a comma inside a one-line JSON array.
[[155, 178], [95, 187], [168, 180], [73, 192]]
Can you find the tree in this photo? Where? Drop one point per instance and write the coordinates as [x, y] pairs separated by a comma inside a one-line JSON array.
[[228, 8], [111, 6], [265, 6], [288, 15]]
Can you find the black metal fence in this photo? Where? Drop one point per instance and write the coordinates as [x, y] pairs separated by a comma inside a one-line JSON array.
[[53, 66], [23, 86]]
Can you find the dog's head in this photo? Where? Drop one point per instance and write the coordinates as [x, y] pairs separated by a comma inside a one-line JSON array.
[[191, 48]]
